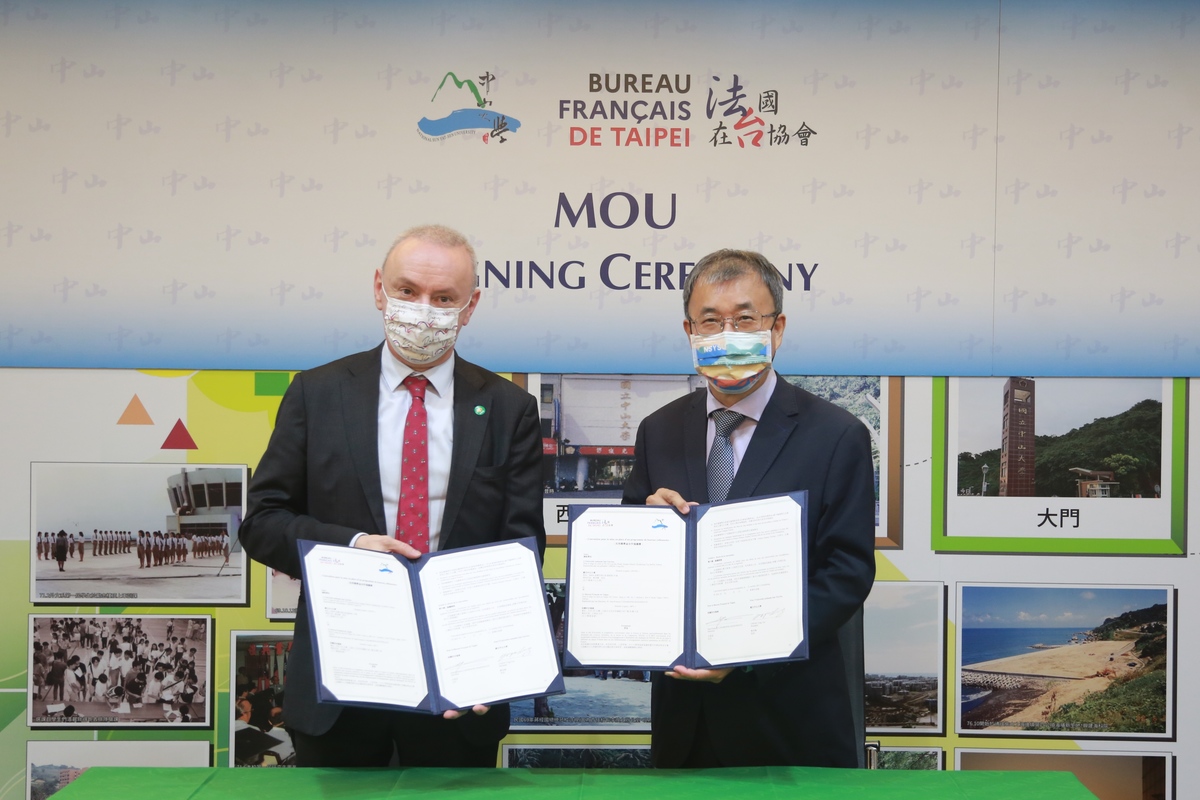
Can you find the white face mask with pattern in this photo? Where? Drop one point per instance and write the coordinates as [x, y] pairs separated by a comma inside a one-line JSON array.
[[417, 332], [732, 360]]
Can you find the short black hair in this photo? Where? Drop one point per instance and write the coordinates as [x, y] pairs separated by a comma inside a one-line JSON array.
[[723, 266]]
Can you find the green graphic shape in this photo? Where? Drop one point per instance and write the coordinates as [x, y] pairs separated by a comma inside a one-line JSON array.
[[271, 384], [470, 84]]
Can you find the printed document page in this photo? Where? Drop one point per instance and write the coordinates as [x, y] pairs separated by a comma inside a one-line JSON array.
[[364, 626], [749, 581], [488, 624], [626, 586]]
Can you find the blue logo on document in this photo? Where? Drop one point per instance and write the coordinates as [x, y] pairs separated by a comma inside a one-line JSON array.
[[385, 568], [658, 523]]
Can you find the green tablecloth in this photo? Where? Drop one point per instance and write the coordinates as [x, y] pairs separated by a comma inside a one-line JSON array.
[[751, 783]]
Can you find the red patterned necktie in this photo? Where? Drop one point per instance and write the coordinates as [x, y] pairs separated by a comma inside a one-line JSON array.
[[412, 512]]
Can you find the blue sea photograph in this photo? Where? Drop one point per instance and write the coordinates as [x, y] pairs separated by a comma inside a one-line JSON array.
[[1071, 659]]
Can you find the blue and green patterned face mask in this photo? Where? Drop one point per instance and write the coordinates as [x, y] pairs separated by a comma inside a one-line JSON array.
[[731, 360]]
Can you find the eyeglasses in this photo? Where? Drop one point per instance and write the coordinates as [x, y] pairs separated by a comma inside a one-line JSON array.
[[743, 321]]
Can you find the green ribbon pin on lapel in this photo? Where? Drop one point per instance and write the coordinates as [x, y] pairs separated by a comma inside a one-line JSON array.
[[479, 410]]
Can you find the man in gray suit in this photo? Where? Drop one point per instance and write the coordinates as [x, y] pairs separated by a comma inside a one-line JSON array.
[[333, 472], [748, 434]]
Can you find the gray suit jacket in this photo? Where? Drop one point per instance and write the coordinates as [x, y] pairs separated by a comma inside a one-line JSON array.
[[319, 480]]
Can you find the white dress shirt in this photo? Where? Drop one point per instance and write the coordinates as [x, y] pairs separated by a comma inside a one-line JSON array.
[[394, 402]]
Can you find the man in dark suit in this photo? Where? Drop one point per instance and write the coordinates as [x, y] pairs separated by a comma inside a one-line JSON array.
[[781, 439], [332, 473]]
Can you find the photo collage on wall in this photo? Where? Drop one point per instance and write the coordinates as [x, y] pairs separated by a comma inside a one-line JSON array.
[[983, 220], [128, 535], [1075, 661]]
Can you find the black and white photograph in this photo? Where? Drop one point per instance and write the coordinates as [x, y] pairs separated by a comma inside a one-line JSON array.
[[1066, 660], [1062, 465], [109, 671], [576, 756], [905, 650], [258, 735], [1110, 775], [595, 700], [51, 766], [137, 534]]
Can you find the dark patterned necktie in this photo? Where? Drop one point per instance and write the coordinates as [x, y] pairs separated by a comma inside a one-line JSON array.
[[412, 512], [720, 458]]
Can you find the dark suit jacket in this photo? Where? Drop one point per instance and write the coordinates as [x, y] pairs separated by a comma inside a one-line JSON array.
[[319, 480], [796, 713]]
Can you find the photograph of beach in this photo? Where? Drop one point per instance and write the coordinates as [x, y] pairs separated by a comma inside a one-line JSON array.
[[904, 638], [1065, 660]]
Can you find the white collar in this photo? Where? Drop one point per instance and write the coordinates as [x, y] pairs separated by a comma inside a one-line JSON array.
[[441, 377], [752, 405]]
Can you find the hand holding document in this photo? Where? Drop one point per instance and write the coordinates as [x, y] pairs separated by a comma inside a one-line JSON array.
[[451, 630], [724, 586]]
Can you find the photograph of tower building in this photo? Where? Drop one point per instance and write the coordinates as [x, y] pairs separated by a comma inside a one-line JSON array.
[[1017, 447]]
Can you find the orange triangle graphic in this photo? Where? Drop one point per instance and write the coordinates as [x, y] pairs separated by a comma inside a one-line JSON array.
[[135, 414], [179, 438]]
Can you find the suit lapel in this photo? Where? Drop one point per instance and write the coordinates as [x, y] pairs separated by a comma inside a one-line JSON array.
[[360, 407], [777, 423], [695, 441], [469, 430]]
